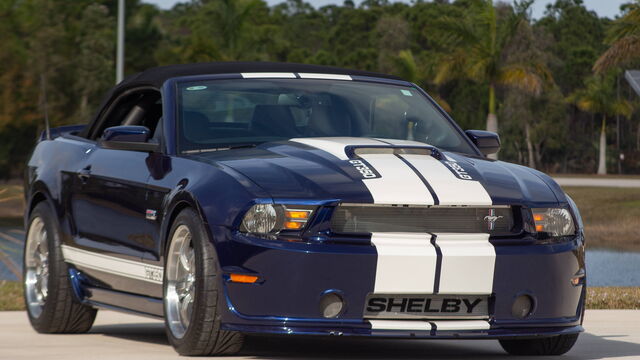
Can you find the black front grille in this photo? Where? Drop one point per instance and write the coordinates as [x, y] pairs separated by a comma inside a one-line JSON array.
[[349, 219]]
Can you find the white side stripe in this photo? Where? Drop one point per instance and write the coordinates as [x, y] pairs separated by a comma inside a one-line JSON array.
[[468, 263], [268, 75], [450, 189], [113, 265], [406, 263], [324, 76]]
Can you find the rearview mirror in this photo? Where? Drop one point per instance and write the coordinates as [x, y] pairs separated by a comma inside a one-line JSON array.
[[488, 142], [128, 137]]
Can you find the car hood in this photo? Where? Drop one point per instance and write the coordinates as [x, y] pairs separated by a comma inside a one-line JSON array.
[[384, 171]]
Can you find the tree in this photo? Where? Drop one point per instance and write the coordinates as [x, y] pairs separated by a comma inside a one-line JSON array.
[[624, 40], [599, 97], [474, 48]]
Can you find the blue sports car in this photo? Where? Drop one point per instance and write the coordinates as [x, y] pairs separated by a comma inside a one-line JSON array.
[[235, 198]]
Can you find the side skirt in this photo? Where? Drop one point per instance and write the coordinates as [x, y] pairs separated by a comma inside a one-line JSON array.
[[124, 302]]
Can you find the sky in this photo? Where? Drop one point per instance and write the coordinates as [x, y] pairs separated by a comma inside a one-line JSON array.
[[608, 8]]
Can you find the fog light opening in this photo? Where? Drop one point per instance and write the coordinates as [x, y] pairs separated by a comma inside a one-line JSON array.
[[331, 305], [522, 307]]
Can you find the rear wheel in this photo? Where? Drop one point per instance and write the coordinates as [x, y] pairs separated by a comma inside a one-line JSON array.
[[51, 304], [191, 292], [556, 345]]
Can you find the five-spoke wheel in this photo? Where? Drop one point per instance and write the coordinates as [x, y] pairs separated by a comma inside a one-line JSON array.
[[180, 279]]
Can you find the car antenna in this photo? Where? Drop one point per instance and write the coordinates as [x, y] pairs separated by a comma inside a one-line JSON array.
[[43, 85]]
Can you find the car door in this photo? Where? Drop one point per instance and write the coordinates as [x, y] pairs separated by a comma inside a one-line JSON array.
[[109, 211]]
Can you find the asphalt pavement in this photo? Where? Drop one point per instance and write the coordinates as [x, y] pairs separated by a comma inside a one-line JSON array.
[[611, 334]]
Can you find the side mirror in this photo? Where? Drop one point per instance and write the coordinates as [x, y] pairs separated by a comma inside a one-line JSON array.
[[488, 142], [127, 137]]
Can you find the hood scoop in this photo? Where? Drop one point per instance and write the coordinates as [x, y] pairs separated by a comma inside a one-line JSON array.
[[354, 151]]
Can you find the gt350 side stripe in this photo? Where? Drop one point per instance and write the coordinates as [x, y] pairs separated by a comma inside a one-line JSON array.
[[113, 265]]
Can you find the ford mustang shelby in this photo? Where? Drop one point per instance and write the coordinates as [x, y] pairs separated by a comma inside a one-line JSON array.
[[234, 198]]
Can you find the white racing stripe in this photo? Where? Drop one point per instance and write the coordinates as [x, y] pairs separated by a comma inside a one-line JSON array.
[[324, 76], [400, 325], [450, 189], [397, 184], [461, 325], [113, 265], [406, 263], [336, 145], [468, 263], [424, 325], [268, 75]]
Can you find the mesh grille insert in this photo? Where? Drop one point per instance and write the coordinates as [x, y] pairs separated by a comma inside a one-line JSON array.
[[368, 219]]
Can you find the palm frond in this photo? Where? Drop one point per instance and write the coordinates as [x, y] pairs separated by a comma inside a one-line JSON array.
[[523, 77], [620, 52], [405, 65], [442, 102]]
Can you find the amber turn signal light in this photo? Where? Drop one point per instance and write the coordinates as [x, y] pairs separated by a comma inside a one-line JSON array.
[[293, 225], [297, 214], [239, 278]]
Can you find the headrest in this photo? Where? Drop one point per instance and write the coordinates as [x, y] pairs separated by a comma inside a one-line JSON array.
[[274, 120], [195, 126]]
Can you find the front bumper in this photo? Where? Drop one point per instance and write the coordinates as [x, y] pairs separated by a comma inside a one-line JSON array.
[[293, 277]]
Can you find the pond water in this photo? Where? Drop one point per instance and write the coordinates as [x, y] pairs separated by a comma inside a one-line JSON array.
[[613, 268]]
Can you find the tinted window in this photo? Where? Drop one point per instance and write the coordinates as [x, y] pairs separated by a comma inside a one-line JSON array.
[[221, 113]]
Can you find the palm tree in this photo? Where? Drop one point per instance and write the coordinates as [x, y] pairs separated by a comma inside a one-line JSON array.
[[221, 29], [407, 68], [624, 40], [475, 48], [599, 97]]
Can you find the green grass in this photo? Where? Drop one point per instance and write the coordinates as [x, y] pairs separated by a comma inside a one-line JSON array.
[[611, 216], [613, 298], [11, 296]]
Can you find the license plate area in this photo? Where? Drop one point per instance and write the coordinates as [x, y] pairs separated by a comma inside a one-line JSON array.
[[430, 306]]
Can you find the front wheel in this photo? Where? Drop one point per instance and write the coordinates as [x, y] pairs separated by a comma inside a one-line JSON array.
[[191, 292], [556, 345]]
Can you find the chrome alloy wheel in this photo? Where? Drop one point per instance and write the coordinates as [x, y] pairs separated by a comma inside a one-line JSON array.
[[180, 281], [36, 258]]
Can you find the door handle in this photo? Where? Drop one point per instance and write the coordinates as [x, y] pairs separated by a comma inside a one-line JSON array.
[[85, 174]]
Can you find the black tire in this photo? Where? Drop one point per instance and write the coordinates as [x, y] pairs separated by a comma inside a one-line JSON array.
[[556, 345], [203, 336], [61, 312]]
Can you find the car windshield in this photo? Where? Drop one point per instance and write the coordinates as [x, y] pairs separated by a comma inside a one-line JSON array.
[[218, 114]]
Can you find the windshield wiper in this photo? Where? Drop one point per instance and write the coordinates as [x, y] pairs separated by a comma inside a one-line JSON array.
[[227, 147]]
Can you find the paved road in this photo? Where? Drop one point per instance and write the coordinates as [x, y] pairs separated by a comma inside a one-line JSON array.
[[612, 334], [598, 182], [11, 253]]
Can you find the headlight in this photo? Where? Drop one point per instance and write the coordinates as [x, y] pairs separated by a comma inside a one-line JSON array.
[[271, 219], [261, 218], [553, 222]]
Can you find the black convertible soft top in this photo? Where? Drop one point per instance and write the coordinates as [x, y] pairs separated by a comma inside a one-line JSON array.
[[157, 76]]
